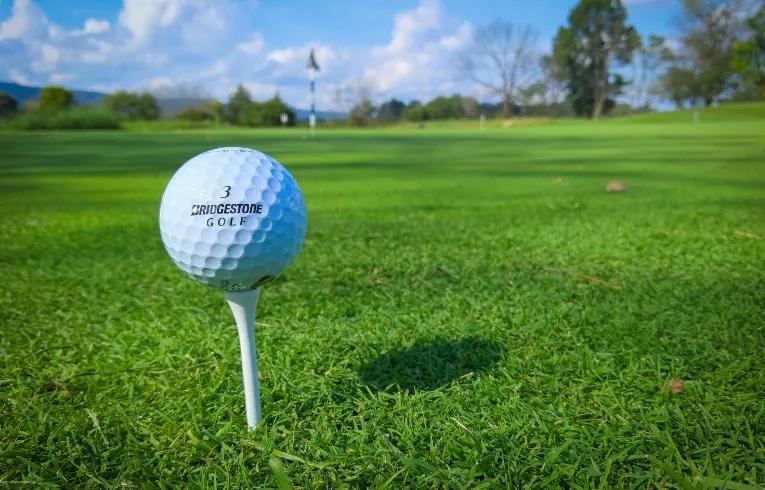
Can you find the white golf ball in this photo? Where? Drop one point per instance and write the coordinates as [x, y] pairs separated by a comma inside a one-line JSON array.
[[233, 218]]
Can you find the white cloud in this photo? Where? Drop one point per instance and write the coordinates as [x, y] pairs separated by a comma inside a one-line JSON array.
[[253, 46], [210, 46], [59, 78], [416, 61], [26, 20], [18, 77], [144, 17], [261, 90], [96, 26], [411, 27], [49, 56]]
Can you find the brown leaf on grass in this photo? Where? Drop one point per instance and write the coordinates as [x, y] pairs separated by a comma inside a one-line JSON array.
[[746, 234], [586, 277], [616, 186], [676, 386]]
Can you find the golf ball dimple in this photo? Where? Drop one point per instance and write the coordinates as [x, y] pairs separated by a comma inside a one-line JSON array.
[[232, 218]]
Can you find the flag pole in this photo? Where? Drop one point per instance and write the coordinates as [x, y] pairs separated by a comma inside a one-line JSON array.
[[312, 67]]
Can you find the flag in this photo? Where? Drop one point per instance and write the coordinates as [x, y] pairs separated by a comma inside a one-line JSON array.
[[312, 65]]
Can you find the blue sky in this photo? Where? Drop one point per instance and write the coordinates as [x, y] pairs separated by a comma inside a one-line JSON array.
[[394, 48]]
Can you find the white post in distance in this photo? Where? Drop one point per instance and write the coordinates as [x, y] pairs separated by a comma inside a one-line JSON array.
[[243, 304]]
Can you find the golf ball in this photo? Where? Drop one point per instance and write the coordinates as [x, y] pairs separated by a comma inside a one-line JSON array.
[[233, 218]]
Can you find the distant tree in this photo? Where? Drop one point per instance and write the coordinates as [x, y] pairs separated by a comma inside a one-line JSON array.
[[704, 63], [362, 113], [748, 59], [148, 108], [215, 108], [501, 59], [390, 111], [679, 85], [595, 41], [54, 98], [209, 110], [652, 57], [8, 106], [554, 79], [445, 108], [357, 97], [533, 94], [470, 107], [415, 112], [195, 114], [268, 113], [238, 104], [132, 106]]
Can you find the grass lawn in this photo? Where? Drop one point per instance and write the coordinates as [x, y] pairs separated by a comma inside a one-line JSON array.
[[470, 309]]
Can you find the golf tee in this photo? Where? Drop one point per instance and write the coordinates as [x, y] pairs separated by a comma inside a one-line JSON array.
[[243, 304]]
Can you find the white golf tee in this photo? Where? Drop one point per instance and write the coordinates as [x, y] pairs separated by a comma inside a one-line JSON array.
[[243, 304]]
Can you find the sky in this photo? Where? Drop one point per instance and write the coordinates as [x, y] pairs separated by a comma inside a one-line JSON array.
[[405, 49]]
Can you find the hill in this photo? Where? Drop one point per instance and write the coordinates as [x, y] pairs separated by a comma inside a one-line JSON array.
[[302, 115], [24, 93]]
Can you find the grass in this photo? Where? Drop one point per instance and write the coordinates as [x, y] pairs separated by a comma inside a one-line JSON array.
[[470, 309], [75, 118]]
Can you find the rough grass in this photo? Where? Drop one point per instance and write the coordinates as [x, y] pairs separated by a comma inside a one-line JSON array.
[[471, 309]]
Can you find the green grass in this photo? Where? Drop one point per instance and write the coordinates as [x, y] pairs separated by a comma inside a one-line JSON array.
[[75, 118], [470, 309], [730, 112]]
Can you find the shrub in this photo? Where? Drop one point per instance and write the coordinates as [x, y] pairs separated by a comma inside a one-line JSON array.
[[132, 106], [82, 118], [195, 114], [8, 106], [415, 112], [445, 108], [53, 98], [268, 113]]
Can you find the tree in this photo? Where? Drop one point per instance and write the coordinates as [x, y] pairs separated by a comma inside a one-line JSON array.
[[132, 106], [54, 98], [391, 111], [238, 104], [267, 113], [748, 59], [215, 108], [679, 85], [651, 57], [362, 113], [469, 107], [596, 40], [415, 112], [195, 114], [8, 106], [501, 59], [445, 108], [704, 63], [554, 79]]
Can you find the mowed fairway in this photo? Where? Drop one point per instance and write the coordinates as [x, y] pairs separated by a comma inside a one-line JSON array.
[[470, 309]]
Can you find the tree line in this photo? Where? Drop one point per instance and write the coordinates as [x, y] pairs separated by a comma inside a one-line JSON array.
[[597, 59], [55, 107]]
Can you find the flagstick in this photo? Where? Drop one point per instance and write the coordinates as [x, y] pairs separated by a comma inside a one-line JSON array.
[[243, 304]]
